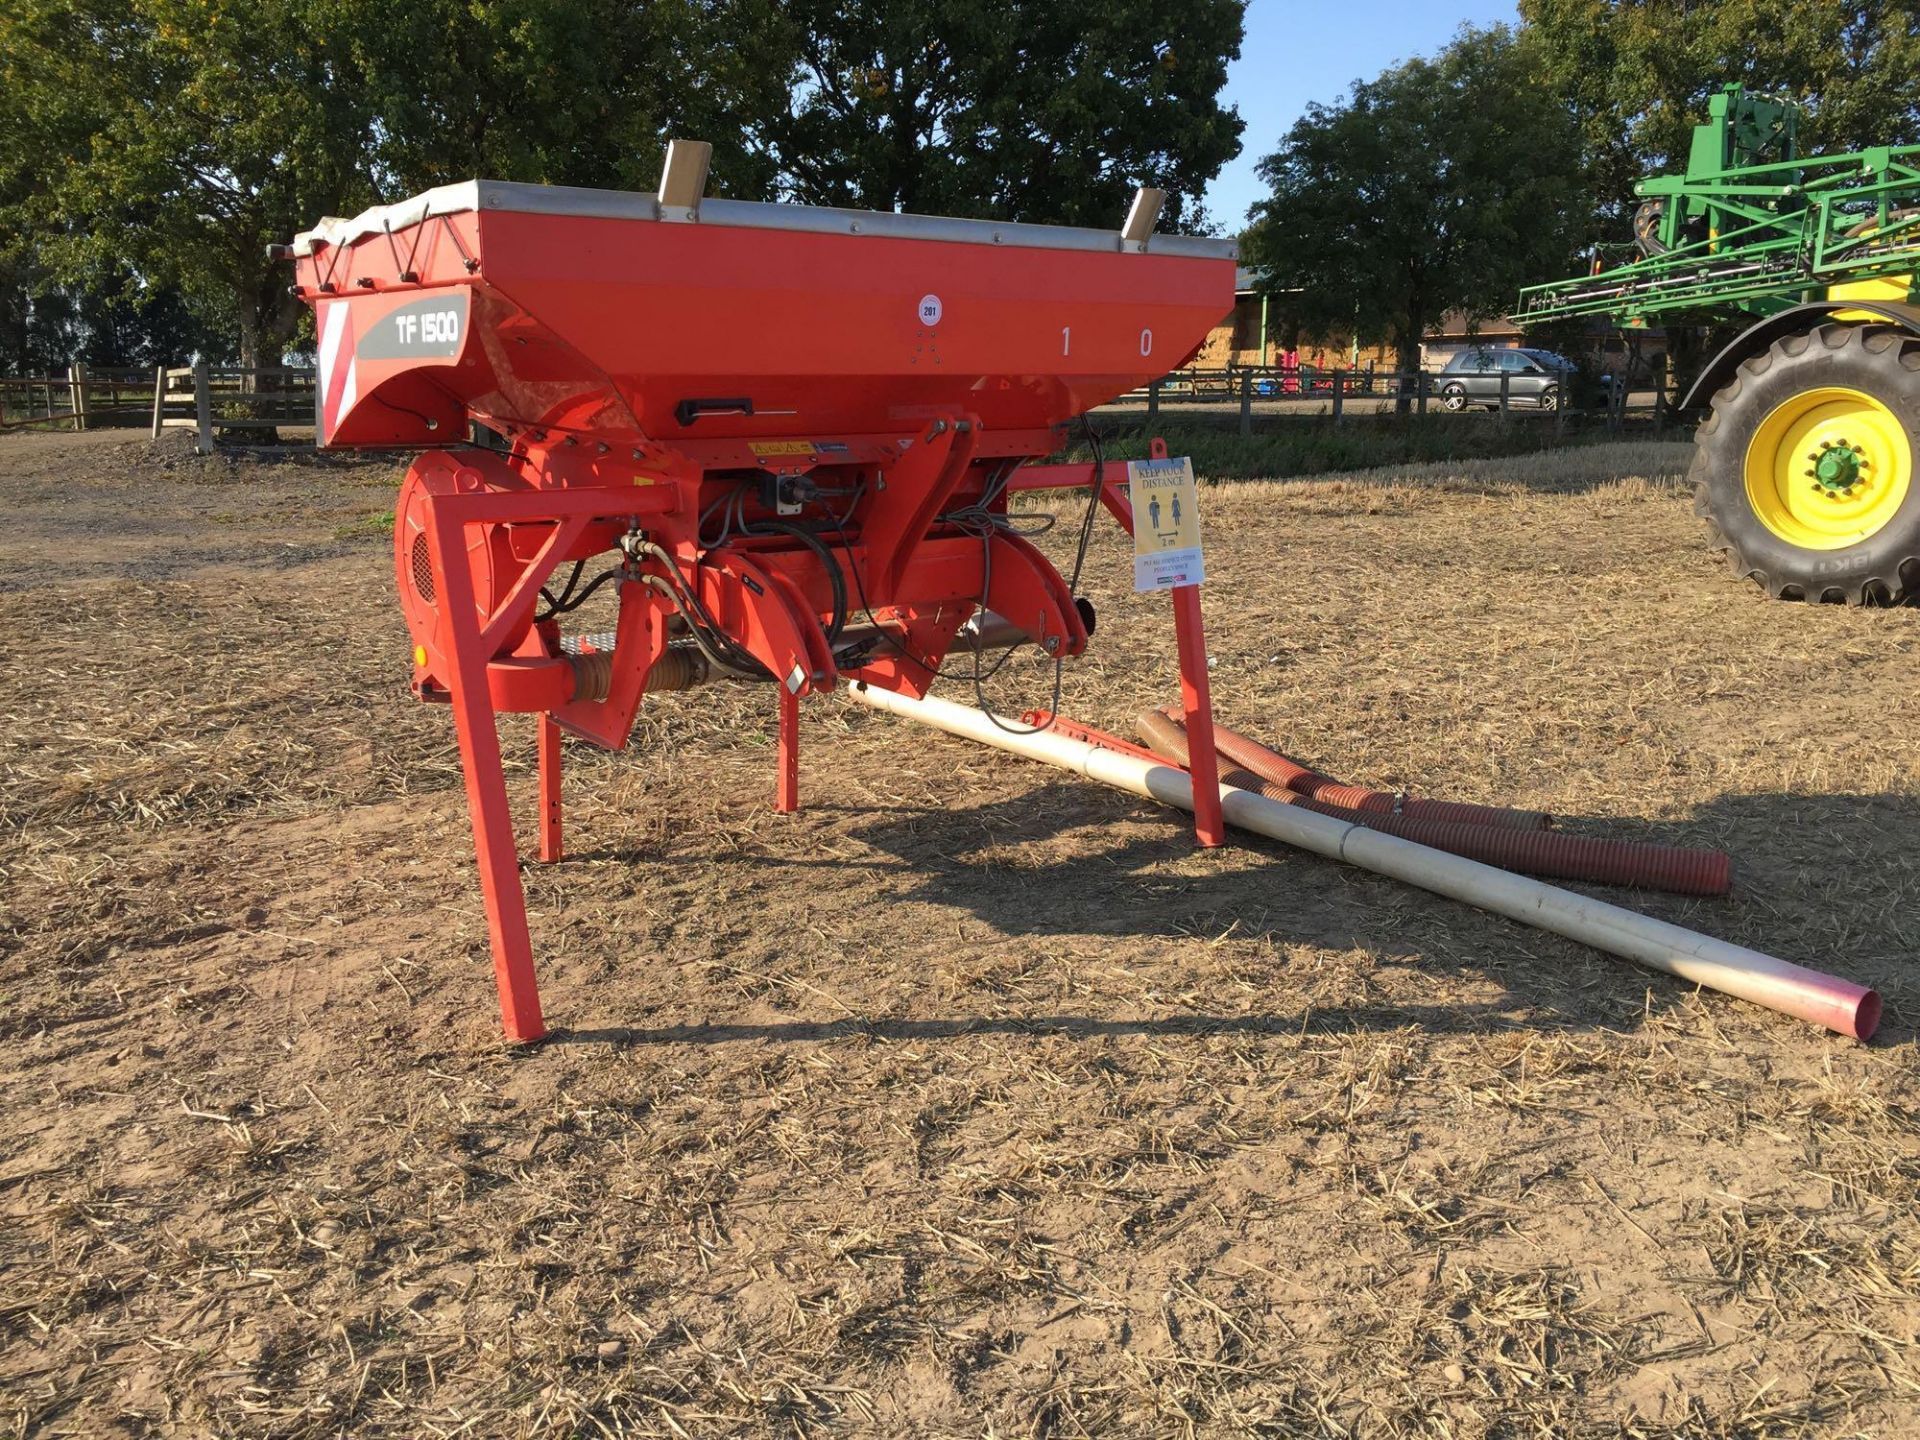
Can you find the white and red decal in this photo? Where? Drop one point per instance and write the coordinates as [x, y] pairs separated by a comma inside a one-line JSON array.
[[338, 377], [362, 346]]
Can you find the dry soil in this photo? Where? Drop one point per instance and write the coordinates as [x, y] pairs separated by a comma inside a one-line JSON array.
[[972, 1100]]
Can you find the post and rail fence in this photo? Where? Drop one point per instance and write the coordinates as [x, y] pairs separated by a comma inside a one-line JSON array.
[[202, 398], [205, 398], [208, 398], [1610, 401], [85, 398]]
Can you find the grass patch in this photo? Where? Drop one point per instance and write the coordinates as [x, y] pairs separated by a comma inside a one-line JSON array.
[[1314, 445], [380, 522]]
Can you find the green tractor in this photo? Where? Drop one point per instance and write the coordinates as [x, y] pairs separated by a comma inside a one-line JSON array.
[[1804, 466]]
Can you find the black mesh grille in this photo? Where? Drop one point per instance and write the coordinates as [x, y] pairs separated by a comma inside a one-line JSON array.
[[422, 569]]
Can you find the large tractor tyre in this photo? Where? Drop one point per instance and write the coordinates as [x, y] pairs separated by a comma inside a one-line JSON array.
[[1805, 467]]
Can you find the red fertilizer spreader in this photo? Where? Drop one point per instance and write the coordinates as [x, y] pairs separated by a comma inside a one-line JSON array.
[[784, 436]]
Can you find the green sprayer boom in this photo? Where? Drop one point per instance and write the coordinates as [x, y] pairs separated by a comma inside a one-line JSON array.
[[1752, 226]]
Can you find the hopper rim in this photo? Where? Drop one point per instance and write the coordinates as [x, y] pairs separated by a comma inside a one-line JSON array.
[[471, 196]]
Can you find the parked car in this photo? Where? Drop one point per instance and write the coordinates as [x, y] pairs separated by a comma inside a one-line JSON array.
[[1536, 379]]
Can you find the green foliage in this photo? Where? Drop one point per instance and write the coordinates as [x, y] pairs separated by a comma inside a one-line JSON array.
[[1637, 73], [1029, 110], [564, 92], [45, 324], [174, 140], [1443, 184]]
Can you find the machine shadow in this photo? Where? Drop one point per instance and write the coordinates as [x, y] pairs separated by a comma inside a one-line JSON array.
[[1044, 863]]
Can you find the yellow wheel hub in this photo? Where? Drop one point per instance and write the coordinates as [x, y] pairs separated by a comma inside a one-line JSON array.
[[1828, 468]]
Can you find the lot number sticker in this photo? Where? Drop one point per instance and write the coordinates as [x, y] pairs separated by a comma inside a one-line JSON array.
[[1166, 524]]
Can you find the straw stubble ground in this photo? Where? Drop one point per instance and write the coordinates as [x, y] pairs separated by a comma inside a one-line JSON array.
[[972, 1100]]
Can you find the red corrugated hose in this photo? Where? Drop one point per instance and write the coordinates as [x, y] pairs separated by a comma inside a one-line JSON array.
[[1284, 770], [1530, 852]]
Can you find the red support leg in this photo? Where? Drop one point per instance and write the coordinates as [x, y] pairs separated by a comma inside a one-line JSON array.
[[787, 793], [549, 789], [493, 841], [1196, 698]]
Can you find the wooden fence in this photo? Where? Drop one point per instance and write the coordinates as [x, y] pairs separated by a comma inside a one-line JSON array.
[[208, 399], [82, 399]]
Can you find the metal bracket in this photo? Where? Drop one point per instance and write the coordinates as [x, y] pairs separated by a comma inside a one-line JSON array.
[[1142, 216], [683, 179]]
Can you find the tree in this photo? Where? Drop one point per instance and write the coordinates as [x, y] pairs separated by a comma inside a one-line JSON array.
[[1637, 74], [171, 141], [1441, 185], [46, 325], [567, 92], [178, 138], [1043, 110]]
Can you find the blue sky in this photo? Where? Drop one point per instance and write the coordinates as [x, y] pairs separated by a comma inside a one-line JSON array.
[[1298, 51]]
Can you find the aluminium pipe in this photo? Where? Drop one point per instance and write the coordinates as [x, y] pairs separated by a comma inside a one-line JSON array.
[[985, 630], [1749, 975]]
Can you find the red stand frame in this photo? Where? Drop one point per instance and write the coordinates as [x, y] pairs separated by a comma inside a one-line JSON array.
[[549, 743], [786, 797], [467, 641], [464, 642], [1196, 699], [479, 736], [1190, 634]]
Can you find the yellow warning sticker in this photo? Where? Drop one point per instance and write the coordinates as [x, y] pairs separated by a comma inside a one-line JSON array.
[[1166, 524], [768, 449]]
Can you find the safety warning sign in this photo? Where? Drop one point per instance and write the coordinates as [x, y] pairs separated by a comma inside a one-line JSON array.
[[1166, 524]]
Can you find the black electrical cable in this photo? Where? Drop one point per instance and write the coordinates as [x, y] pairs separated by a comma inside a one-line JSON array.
[[866, 609], [701, 529], [835, 575], [1073, 586], [559, 606], [908, 655], [719, 650], [1093, 502], [574, 602], [426, 420], [687, 601], [976, 518]]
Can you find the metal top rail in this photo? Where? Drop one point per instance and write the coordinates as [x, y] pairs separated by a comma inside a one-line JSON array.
[[482, 195]]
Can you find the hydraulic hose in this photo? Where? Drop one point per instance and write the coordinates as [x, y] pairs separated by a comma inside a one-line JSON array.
[[1529, 852]]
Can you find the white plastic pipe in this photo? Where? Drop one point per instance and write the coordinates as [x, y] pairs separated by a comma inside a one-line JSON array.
[[1734, 970]]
